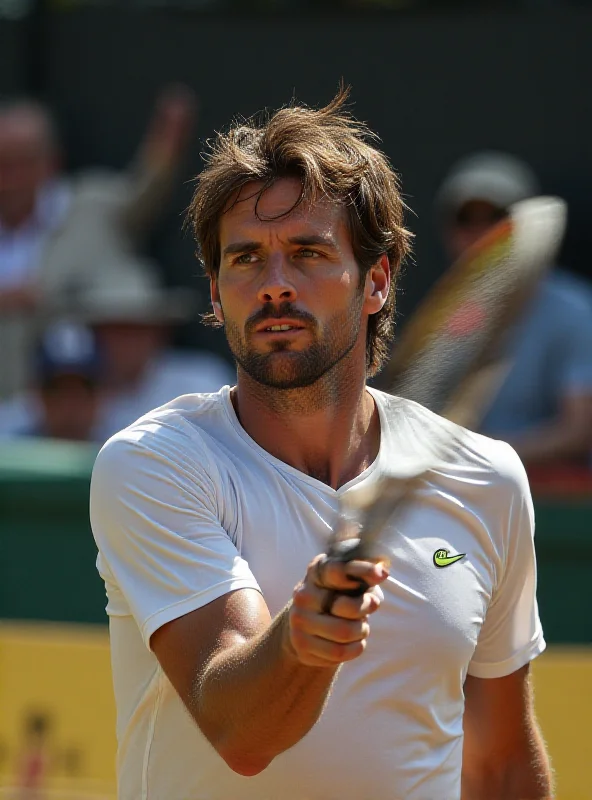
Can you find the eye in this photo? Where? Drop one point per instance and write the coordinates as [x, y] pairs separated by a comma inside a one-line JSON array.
[[245, 258], [306, 252]]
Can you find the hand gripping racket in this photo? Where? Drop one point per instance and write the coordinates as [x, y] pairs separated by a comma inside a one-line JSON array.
[[449, 358]]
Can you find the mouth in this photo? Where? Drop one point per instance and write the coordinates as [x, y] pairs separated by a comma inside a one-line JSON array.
[[280, 327]]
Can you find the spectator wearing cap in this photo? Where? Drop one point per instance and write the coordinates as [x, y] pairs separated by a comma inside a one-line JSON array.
[[134, 323], [59, 234], [544, 407], [64, 401]]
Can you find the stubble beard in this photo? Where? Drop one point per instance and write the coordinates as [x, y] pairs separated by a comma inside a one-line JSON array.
[[304, 380]]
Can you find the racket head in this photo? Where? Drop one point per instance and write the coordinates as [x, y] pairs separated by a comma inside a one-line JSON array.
[[449, 359], [458, 330]]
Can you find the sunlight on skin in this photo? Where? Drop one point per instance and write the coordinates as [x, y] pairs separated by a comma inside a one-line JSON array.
[[310, 379]]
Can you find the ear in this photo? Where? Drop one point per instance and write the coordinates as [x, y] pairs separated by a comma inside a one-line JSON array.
[[215, 298], [378, 282]]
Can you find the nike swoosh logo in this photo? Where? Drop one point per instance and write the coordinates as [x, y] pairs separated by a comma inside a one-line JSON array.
[[442, 558]]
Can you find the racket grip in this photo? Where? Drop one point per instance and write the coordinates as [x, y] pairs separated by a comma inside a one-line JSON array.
[[360, 589], [331, 595], [348, 550]]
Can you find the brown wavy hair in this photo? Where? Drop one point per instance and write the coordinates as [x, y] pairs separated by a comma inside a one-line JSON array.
[[331, 154]]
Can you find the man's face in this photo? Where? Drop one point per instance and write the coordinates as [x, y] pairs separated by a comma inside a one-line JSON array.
[[70, 407], [289, 287], [129, 348], [470, 223], [26, 163]]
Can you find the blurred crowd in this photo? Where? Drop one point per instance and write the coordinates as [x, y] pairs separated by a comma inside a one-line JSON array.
[[544, 406], [87, 327], [86, 324]]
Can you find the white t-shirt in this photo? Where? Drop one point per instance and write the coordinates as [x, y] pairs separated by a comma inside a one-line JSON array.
[[172, 373], [186, 507]]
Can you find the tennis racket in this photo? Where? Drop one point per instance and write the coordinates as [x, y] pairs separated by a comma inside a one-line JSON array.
[[449, 359]]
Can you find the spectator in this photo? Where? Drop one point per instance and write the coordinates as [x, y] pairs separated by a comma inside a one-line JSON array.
[[64, 401], [544, 407], [56, 233], [134, 323]]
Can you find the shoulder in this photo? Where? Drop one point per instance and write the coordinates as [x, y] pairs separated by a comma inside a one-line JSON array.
[[474, 457], [172, 439]]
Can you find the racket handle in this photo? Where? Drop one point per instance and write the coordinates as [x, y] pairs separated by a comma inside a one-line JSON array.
[[348, 550], [331, 595], [360, 589]]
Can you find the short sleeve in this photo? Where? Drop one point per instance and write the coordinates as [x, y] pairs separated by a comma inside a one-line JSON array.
[[154, 517], [512, 634]]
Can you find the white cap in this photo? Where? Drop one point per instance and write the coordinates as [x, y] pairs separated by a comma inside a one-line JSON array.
[[496, 178], [136, 298]]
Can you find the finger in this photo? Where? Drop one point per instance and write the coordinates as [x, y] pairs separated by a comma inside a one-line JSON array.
[[333, 629], [309, 597], [357, 607], [330, 573], [327, 573], [316, 651]]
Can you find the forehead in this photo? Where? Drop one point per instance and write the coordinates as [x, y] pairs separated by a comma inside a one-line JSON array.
[[277, 209]]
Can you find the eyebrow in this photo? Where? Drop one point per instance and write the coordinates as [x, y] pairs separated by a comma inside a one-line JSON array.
[[241, 247], [306, 240]]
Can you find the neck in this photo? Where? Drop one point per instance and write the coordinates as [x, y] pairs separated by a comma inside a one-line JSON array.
[[329, 430]]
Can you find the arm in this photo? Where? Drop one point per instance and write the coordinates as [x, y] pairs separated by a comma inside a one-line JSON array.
[[160, 153], [256, 686], [567, 436], [504, 756], [568, 433], [253, 685]]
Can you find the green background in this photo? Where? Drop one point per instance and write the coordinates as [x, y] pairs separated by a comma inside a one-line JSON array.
[[48, 554]]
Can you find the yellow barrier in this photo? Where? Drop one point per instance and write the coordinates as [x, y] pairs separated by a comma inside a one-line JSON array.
[[563, 697], [58, 712]]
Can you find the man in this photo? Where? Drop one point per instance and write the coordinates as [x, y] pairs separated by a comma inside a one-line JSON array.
[[544, 407], [66, 392], [212, 516], [57, 234], [134, 324]]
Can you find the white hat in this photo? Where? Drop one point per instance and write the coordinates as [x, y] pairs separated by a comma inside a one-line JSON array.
[[136, 298], [497, 178]]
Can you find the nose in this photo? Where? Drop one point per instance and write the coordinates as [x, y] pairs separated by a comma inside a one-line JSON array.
[[277, 285]]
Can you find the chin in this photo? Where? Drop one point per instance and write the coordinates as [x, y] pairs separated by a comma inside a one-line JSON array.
[[283, 371]]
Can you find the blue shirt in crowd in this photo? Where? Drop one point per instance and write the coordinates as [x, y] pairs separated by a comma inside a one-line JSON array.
[[551, 350]]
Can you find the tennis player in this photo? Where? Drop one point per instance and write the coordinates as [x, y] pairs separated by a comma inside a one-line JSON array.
[[233, 677]]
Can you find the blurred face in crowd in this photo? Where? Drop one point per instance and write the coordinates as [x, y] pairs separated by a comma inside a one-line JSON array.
[[295, 268], [27, 160], [469, 224], [129, 348], [70, 407]]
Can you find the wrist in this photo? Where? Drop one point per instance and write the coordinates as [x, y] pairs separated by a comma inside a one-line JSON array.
[[287, 647]]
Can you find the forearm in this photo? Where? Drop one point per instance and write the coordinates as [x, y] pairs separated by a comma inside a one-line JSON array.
[[150, 188], [255, 700], [512, 785], [158, 159], [525, 777]]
